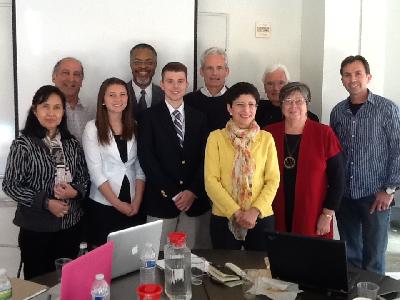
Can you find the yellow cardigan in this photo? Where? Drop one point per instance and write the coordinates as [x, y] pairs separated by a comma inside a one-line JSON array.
[[218, 173]]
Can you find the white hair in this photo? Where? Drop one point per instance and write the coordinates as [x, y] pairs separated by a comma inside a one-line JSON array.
[[213, 51], [273, 68]]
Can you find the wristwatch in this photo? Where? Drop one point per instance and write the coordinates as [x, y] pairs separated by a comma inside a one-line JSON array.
[[390, 190]]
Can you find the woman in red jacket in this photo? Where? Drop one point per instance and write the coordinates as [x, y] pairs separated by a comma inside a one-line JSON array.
[[311, 168]]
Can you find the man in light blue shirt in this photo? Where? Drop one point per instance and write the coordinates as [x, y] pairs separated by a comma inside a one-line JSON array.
[[368, 127]]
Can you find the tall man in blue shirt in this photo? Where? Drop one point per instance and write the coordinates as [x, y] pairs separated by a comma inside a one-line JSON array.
[[368, 127]]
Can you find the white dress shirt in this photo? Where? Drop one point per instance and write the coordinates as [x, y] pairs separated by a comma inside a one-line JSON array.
[[138, 93]]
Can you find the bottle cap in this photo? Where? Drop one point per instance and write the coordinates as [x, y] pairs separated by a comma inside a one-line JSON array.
[[3, 271], [99, 276], [177, 238], [83, 245]]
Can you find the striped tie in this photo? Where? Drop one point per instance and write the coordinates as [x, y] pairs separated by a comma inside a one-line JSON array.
[[178, 125]]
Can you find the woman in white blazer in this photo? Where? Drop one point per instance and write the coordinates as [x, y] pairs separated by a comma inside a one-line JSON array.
[[117, 179]]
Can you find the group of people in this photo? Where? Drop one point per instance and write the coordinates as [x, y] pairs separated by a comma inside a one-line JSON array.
[[218, 163]]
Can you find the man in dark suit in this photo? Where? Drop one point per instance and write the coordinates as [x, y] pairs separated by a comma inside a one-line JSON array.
[[171, 143], [144, 94]]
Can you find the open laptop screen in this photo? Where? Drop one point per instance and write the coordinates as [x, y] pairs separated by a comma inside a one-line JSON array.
[[310, 262], [128, 244]]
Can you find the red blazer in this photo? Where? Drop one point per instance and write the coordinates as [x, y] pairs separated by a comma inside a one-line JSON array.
[[318, 144]]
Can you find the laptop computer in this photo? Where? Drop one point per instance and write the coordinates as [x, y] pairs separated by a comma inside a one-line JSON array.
[[311, 262], [79, 274], [128, 244]]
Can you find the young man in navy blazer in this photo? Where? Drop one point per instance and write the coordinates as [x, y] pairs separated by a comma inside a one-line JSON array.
[[171, 143]]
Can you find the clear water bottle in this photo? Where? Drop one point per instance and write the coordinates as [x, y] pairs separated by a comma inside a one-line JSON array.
[[82, 249], [148, 264], [100, 289], [178, 281], [5, 286]]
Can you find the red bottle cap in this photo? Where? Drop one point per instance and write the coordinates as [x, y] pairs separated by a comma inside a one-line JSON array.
[[149, 291], [177, 238]]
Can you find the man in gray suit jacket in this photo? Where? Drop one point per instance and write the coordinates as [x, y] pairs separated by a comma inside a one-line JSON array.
[[144, 94]]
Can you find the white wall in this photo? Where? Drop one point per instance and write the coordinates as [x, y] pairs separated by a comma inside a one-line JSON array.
[[7, 83], [248, 55], [373, 40], [341, 40], [312, 50], [391, 88]]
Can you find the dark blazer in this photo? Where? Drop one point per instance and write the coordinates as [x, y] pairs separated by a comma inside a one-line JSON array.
[[157, 97], [168, 167]]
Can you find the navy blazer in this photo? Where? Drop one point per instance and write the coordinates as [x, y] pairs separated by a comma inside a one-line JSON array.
[[170, 168], [157, 97]]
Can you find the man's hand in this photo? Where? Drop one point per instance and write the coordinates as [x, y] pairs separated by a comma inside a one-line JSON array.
[[382, 202], [184, 200]]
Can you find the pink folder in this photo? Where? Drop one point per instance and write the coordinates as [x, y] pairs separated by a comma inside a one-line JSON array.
[[78, 275]]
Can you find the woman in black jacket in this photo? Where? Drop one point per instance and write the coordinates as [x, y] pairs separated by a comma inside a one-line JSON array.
[[46, 175]]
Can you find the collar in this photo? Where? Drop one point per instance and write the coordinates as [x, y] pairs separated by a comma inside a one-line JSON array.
[[370, 98], [207, 93], [171, 109], [137, 89], [78, 105]]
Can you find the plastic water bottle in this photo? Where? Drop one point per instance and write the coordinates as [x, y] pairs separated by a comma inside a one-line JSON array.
[[82, 249], [148, 264], [178, 281], [100, 289], [5, 286]]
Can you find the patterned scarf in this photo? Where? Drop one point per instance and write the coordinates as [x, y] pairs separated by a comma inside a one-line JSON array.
[[55, 146], [243, 169]]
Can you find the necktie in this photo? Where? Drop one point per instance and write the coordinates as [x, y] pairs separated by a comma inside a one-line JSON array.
[[142, 100], [178, 125]]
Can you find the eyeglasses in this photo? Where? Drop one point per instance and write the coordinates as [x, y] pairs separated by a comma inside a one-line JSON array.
[[297, 101], [147, 63]]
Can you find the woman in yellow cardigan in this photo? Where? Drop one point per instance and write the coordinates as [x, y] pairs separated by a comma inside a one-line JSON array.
[[241, 175]]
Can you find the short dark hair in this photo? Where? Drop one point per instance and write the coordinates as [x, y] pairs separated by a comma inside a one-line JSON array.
[[173, 66], [102, 121], [241, 88], [295, 87], [32, 125], [142, 46], [350, 59]]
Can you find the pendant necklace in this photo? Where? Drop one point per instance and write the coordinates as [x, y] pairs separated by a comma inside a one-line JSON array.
[[289, 162]]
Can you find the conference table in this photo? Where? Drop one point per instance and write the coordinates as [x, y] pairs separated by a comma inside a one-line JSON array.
[[124, 286]]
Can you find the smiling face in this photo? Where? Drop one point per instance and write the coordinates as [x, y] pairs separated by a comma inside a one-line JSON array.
[[214, 72], [355, 79], [68, 78], [115, 99], [174, 84], [243, 110], [294, 107], [143, 66], [49, 113], [273, 84]]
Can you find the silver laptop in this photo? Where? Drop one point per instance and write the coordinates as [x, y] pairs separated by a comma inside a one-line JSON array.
[[128, 244]]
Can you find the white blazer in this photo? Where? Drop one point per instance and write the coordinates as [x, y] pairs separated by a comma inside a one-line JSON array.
[[105, 164]]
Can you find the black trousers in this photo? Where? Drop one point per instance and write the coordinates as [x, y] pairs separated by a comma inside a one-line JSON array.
[[222, 237], [103, 219], [40, 249]]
